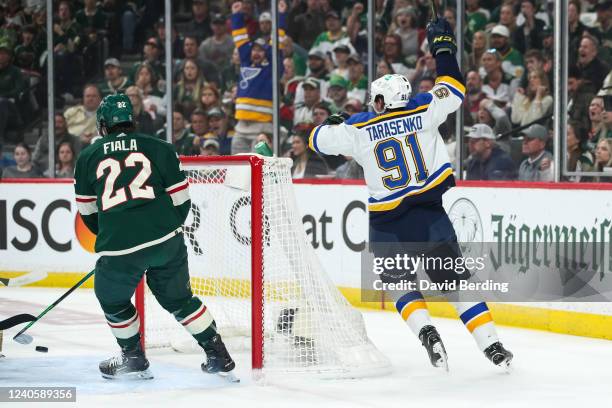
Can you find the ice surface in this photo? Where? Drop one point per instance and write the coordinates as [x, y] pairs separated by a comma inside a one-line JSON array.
[[550, 370]]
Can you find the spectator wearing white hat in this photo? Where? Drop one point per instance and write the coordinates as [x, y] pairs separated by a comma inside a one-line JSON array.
[[312, 96], [209, 147], [538, 166], [487, 161], [512, 60], [265, 26]]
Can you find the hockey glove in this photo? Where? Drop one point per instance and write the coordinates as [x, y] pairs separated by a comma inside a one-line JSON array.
[[336, 118], [440, 37]]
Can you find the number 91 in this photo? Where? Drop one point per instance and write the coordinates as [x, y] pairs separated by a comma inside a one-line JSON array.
[[391, 157]]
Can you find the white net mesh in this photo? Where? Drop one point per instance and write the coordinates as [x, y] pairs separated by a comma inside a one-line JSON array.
[[308, 325]]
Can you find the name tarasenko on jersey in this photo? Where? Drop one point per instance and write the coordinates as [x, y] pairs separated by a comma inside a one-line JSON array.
[[395, 127]]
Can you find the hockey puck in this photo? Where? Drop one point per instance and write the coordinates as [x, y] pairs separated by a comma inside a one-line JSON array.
[[42, 349]]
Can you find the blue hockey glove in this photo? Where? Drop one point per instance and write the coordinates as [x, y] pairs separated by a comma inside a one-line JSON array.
[[440, 37]]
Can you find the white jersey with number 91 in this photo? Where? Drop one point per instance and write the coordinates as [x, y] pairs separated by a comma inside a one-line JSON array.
[[402, 153]]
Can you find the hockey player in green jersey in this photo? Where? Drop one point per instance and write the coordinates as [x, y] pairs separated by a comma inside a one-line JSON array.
[[131, 192]]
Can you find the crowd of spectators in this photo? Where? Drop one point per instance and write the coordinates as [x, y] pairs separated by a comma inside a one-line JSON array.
[[222, 77]]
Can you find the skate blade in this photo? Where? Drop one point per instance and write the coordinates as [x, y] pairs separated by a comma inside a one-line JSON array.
[[229, 377], [443, 361], [506, 365], [140, 375]]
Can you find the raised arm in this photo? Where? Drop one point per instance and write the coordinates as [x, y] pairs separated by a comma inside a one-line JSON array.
[[240, 34], [449, 91]]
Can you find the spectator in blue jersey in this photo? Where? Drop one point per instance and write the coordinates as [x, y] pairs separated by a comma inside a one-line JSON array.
[[254, 94], [487, 160]]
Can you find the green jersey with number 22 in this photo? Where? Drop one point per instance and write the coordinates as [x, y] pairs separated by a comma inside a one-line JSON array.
[[131, 191]]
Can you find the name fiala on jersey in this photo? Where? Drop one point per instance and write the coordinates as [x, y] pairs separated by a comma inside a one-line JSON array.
[[121, 145], [395, 127]]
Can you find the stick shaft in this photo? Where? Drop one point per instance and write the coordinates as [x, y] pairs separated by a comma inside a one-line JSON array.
[[52, 305]]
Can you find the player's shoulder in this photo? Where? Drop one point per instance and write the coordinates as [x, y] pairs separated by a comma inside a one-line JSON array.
[[360, 118], [156, 142], [419, 100], [90, 149]]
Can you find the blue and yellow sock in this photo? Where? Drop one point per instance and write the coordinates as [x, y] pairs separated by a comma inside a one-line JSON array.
[[413, 309], [478, 320]]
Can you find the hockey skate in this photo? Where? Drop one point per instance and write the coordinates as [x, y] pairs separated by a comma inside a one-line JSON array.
[[218, 360], [129, 365], [430, 339], [499, 355]]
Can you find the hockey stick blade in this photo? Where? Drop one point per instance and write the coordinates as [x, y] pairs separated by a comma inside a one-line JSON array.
[[15, 320], [23, 338]]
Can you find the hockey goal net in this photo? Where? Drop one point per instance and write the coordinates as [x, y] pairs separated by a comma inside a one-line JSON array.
[[253, 267]]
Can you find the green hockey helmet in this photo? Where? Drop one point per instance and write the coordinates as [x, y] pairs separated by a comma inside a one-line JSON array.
[[113, 110]]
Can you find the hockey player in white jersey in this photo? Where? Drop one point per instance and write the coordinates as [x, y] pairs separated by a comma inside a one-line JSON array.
[[407, 170]]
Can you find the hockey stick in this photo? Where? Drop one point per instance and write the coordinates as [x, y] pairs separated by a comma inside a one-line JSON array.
[[23, 338], [15, 320], [26, 279], [434, 10]]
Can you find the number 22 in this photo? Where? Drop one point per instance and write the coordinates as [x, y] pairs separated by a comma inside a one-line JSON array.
[[391, 157], [137, 187]]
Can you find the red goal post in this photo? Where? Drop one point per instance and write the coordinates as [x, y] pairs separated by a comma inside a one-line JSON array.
[[256, 164]]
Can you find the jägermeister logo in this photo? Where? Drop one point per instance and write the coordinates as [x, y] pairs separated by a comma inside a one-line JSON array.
[[563, 247]]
